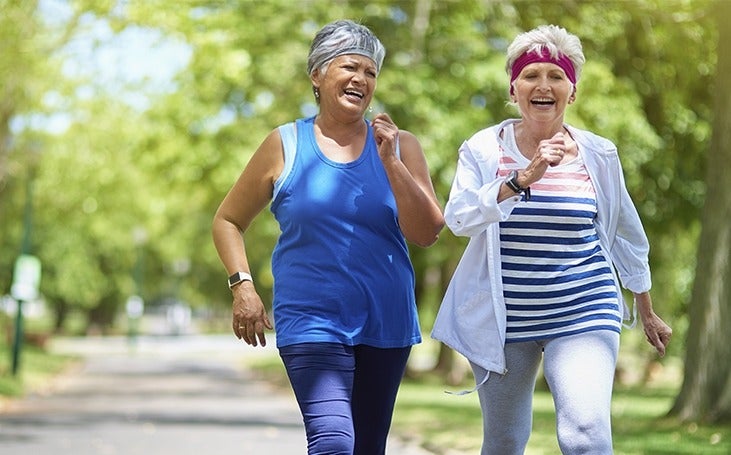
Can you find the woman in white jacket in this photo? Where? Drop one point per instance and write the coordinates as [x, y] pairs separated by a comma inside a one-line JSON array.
[[553, 234]]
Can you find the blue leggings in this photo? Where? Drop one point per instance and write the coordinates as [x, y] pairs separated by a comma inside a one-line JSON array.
[[346, 394]]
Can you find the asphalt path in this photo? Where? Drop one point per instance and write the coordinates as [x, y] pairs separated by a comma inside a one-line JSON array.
[[186, 395]]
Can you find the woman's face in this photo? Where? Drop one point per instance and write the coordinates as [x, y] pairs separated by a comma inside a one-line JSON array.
[[347, 83], [542, 92]]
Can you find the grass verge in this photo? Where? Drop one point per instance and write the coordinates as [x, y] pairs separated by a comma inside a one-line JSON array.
[[36, 369], [452, 425], [447, 424]]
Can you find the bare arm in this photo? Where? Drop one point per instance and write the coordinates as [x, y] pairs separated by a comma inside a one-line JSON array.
[[420, 216], [248, 196]]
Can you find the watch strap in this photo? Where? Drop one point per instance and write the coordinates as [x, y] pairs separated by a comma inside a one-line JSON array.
[[512, 182], [238, 278]]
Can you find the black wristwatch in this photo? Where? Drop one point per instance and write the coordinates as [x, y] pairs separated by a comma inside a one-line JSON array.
[[512, 182], [237, 278]]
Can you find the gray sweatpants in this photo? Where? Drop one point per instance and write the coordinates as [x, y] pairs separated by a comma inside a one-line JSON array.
[[579, 370]]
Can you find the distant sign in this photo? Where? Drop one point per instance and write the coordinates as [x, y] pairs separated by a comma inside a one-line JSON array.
[[26, 278], [135, 307]]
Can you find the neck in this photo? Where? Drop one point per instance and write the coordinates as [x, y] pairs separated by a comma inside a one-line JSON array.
[[339, 130], [528, 136]]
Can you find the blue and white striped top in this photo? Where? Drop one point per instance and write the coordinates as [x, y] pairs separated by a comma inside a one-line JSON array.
[[556, 280]]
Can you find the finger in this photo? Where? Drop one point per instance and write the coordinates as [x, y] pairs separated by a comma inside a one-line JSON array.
[[243, 330], [660, 350], [382, 116], [249, 334], [262, 338], [557, 157], [665, 338], [654, 340]]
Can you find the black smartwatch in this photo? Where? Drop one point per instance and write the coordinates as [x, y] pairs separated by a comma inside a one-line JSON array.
[[238, 278], [512, 182]]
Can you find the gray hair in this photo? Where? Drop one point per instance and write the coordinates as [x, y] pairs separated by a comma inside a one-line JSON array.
[[552, 37], [344, 37]]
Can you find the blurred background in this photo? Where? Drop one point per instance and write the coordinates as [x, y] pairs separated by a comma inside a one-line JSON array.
[[124, 123]]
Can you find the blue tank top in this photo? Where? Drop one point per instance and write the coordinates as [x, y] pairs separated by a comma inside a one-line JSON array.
[[341, 266]]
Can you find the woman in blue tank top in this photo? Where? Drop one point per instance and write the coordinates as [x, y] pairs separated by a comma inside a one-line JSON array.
[[348, 194]]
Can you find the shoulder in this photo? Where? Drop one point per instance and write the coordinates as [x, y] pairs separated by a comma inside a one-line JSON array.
[[408, 140], [273, 140], [409, 144], [483, 145], [282, 132], [592, 141], [269, 156], [485, 134]]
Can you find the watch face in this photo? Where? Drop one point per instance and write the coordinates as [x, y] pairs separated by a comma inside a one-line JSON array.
[[237, 278]]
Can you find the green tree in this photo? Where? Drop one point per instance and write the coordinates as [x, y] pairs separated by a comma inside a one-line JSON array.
[[706, 391]]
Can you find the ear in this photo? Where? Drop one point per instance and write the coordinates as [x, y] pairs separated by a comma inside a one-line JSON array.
[[315, 77]]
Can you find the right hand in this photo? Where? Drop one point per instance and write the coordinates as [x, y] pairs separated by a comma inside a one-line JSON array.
[[249, 316], [550, 152]]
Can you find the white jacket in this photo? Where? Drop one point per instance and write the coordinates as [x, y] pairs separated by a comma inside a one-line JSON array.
[[472, 317]]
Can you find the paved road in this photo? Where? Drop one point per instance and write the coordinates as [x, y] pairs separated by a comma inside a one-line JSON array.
[[188, 395]]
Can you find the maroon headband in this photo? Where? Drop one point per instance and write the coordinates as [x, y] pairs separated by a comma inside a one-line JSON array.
[[545, 56]]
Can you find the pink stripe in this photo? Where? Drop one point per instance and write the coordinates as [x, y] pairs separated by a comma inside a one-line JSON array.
[[560, 187]]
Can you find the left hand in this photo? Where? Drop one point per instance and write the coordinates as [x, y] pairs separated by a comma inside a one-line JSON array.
[[657, 332], [385, 132]]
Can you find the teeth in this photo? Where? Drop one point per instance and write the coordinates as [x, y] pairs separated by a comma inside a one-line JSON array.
[[351, 92], [543, 100]]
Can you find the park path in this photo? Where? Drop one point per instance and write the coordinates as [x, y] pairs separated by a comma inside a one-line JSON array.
[[186, 395]]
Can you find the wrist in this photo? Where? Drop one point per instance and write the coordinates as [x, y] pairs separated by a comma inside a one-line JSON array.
[[514, 181], [238, 278], [521, 179], [644, 305]]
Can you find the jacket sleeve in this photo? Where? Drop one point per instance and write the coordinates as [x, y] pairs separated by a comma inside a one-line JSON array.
[[472, 204], [630, 248]]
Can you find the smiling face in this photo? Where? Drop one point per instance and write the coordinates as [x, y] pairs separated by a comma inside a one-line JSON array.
[[542, 92], [346, 84]]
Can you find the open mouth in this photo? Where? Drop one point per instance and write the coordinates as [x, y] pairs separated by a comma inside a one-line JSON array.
[[355, 93], [543, 101]]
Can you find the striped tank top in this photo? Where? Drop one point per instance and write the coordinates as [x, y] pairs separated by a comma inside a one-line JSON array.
[[556, 280]]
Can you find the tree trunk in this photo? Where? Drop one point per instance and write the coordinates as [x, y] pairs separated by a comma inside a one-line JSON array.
[[706, 391]]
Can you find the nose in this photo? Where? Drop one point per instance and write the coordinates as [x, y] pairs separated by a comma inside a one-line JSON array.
[[359, 76], [544, 84]]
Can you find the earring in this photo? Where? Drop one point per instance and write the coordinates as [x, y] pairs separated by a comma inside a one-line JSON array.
[[316, 91]]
